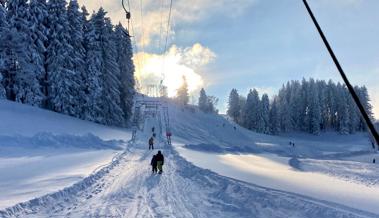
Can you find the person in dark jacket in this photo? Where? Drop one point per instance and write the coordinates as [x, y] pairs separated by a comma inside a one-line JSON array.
[[151, 143], [154, 164], [160, 161]]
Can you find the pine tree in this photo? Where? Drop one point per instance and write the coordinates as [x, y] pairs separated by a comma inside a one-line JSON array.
[[342, 110], [284, 110], [203, 101], [77, 53], [182, 93], [314, 109], [110, 71], [365, 100], [125, 62], [234, 107], [93, 88], [4, 31], [274, 118], [39, 33], [251, 110], [265, 113], [23, 78], [63, 91]]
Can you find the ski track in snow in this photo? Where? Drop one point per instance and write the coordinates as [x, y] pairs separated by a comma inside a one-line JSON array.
[[126, 188]]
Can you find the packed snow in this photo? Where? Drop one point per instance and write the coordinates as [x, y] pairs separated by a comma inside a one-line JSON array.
[[330, 167], [256, 176], [42, 151]]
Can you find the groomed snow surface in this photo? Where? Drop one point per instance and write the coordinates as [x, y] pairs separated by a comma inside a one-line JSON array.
[[63, 167]]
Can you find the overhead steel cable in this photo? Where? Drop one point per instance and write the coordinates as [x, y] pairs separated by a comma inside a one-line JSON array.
[[166, 41], [128, 16], [361, 108]]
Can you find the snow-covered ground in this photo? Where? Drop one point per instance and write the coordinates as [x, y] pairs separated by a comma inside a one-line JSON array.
[[213, 170], [42, 151], [329, 167]]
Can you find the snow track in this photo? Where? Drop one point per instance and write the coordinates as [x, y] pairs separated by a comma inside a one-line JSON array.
[[126, 188]]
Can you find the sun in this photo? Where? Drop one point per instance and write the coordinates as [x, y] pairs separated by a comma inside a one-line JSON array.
[[169, 70]]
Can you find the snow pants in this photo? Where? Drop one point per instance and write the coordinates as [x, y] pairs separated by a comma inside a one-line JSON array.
[[159, 165], [154, 168]]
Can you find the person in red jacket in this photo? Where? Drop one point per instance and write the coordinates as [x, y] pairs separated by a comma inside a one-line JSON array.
[[168, 135]]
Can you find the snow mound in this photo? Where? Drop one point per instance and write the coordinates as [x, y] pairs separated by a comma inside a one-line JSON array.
[[13, 144], [20, 119]]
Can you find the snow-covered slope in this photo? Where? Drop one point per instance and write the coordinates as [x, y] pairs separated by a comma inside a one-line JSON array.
[[42, 151], [126, 187], [330, 167]]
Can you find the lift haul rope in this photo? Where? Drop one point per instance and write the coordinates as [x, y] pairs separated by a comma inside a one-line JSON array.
[[343, 75]]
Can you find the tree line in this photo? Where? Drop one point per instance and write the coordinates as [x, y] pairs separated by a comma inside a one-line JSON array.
[[310, 106], [56, 56]]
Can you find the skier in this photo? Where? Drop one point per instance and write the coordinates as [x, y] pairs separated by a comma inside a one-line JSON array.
[[160, 161], [153, 129], [373, 161], [168, 135], [151, 143], [154, 164]]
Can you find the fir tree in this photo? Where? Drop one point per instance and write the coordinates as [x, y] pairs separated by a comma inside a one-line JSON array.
[[110, 71], [203, 101], [63, 91], [125, 62], [77, 53], [274, 118], [93, 87], [39, 33], [234, 107], [182, 93], [265, 114], [25, 74]]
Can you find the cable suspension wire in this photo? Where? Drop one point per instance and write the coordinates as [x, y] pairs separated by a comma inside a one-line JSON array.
[[142, 33], [344, 77], [161, 27], [166, 41], [128, 16]]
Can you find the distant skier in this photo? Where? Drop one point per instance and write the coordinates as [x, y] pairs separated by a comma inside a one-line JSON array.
[[153, 129], [234, 128], [373, 161], [160, 161], [154, 164], [151, 143], [168, 135]]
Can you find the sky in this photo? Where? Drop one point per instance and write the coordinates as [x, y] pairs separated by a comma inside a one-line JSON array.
[[244, 44]]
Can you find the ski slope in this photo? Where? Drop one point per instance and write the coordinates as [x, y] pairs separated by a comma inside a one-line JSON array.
[[42, 151], [330, 167], [126, 187]]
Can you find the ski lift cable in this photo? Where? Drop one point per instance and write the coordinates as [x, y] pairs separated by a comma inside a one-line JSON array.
[[142, 33], [128, 17], [344, 77], [166, 41], [161, 27]]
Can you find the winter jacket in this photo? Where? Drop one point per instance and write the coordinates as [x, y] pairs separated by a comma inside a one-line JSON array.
[[151, 141], [159, 157], [154, 160]]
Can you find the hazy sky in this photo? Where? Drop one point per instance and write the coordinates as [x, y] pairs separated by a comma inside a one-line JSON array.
[[245, 44]]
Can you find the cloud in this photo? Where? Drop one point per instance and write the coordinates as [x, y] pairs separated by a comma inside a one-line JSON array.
[[151, 27], [170, 68]]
